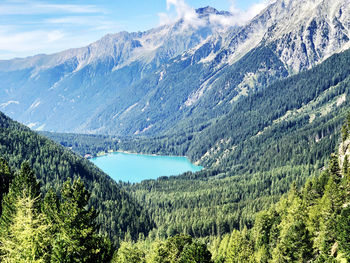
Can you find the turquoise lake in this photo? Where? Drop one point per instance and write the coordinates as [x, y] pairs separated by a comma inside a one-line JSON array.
[[134, 168]]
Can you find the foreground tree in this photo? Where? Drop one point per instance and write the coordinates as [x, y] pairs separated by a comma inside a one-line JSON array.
[[27, 236], [5, 179], [75, 237], [50, 230], [24, 185]]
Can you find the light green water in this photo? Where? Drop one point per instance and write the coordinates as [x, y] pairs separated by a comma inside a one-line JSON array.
[[134, 168]]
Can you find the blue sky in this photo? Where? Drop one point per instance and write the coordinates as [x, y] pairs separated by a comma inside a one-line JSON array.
[[29, 27]]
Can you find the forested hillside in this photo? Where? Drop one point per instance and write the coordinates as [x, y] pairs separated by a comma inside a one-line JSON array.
[[263, 106], [251, 155], [118, 213], [56, 228], [308, 224]]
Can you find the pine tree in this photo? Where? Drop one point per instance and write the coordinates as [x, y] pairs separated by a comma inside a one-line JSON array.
[[129, 253], [24, 182], [6, 177], [195, 253], [294, 243], [27, 236], [344, 132], [76, 239], [240, 248], [343, 232]]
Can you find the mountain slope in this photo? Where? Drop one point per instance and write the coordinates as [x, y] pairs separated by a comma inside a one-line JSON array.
[[226, 66], [166, 78], [118, 213], [44, 90]]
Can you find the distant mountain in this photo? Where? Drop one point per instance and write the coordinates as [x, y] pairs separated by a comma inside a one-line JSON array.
[[167, 78], [43, 91]]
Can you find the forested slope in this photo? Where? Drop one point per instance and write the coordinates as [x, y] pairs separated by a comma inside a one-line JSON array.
[[283, 133], [308, 224], [118, 213]]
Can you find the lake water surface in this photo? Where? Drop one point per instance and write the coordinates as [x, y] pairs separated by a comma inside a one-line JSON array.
[[134, 168]]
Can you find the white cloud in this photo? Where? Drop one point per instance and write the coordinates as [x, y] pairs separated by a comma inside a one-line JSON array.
[[54, 36], [240, 17], [188, 13], [27, 41], [67, 26], [183, 11], [93, 22], [79, 9], [37, 8]]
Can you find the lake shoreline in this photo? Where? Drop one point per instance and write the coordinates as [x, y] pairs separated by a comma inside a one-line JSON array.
[[131, 167], [129, 152]]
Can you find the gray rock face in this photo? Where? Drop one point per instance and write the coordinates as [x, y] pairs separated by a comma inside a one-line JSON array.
[[300, 32]]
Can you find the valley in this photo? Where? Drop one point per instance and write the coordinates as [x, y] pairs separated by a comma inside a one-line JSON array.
[[260, 110]]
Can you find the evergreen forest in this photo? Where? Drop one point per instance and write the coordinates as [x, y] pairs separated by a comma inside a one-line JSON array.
[[275, 187]]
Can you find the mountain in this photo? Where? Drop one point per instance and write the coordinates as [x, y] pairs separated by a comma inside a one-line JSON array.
[[215, 74], [117, 212], [165, 79], [43, 90]]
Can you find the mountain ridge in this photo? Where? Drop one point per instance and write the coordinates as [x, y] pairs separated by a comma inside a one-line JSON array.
[[129, 93]]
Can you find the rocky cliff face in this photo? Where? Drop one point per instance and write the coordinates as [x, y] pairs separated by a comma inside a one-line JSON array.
[[300, 32]]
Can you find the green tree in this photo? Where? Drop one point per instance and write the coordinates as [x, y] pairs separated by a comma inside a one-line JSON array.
[[195, 253], [27, 236], [330, 208], [294, 241], [240, 248], [24, 182], [343, 231], [76, 239], [5, 179], [179, 248], [129, 253], [344, 132]]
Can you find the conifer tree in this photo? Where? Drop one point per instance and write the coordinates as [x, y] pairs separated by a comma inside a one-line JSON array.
[[294, 242], [5, 179], [24, 182], [343, 232], [129, 253], [76, 239], [196, 253], [240, 248], [344, 132], [26, 238]]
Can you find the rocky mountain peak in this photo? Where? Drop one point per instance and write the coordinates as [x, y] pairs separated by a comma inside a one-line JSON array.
[[210, 10]]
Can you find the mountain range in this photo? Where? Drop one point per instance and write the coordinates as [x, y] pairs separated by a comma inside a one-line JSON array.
[[165, 79], [260, 105]]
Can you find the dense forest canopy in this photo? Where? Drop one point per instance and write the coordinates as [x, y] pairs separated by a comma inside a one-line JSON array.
[[118, 214]]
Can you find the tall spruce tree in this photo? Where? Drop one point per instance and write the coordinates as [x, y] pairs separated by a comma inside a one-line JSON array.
[[6, 177], [76, 238], [24, 182]]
